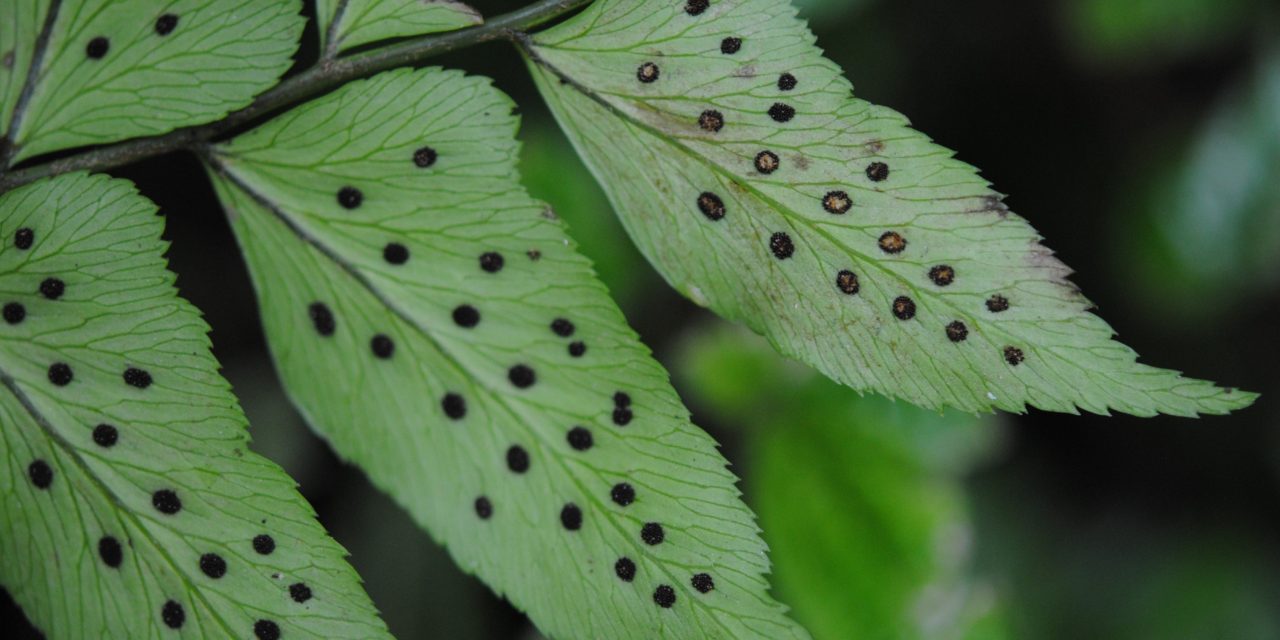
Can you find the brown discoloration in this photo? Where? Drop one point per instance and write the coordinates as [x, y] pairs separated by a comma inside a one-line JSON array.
[[781, 112], [942, 275], [1014, 356], [836, 202], [534, 254], [711, 120], [997, 304], [957, 331], [904, 308], [711, 206], [549, 213], [892, 242], [781, 246], [767, 162], [801, 161], [847, 282], [746, 71], [648, 72], [875, 147], [7, 60], [878, 172]]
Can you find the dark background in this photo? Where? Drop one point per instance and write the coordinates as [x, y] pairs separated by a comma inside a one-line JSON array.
[[1141, 138]]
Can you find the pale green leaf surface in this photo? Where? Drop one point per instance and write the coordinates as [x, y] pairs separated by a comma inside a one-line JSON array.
[[183, 432], [645, 145], [212, 58], [388, 414], [350, 23]]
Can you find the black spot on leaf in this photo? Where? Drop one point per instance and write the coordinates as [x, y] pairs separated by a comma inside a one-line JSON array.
[[266, 630], [892, 242], [580, 438], [14, 312], [786, 82], [562, 327], [173, 615], [836, 202], [652, 533], [322, 318], [781, 246], [942, 275], [711, 206], [847, 281], [1013, 356], [395, 253], [52, 288], [97, 48], [623, 494], [730, 46], [166, 23], [702, 582], [521, 376], [997, 304], [696, 7], [484, 508], [425, 157], [264, 544], [648, 72], [110, 551], [466, 316], [23, 238], [625, 568], [454, 405], [105, 435], [60, 374], [577, 349], [299, 592], [166, 501], [350, 197], [711, 120], [382, 346], [767, 162], [571, 517], [517, 459], [621, 399], [213, 565], [665, 596], [782, 112], [904, 308], [878, 171], [622, 416], [136, 377], [41, 474], [491, 262], [957, 331]]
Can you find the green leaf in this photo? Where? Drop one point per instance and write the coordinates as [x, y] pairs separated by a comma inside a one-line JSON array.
[[760, 188], [435, 323], [108, 71], [871, 533], [350, 23], [132, 504]]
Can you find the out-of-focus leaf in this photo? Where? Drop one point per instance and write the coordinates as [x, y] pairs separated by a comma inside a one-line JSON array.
[[859, 497], [1215, 214], [1128, 33]]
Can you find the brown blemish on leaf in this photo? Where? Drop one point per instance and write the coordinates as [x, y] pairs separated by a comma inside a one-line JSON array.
[[875, 146], [7, 60], [802, 162], [533, 254], [745, 71]]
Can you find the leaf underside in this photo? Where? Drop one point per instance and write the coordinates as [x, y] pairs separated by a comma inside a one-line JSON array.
[[435, 323], [132, 506], [109, 71], [351, 23], [747, 173]]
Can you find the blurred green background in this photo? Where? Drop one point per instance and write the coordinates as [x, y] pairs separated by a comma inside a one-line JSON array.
[[1141, 137]]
